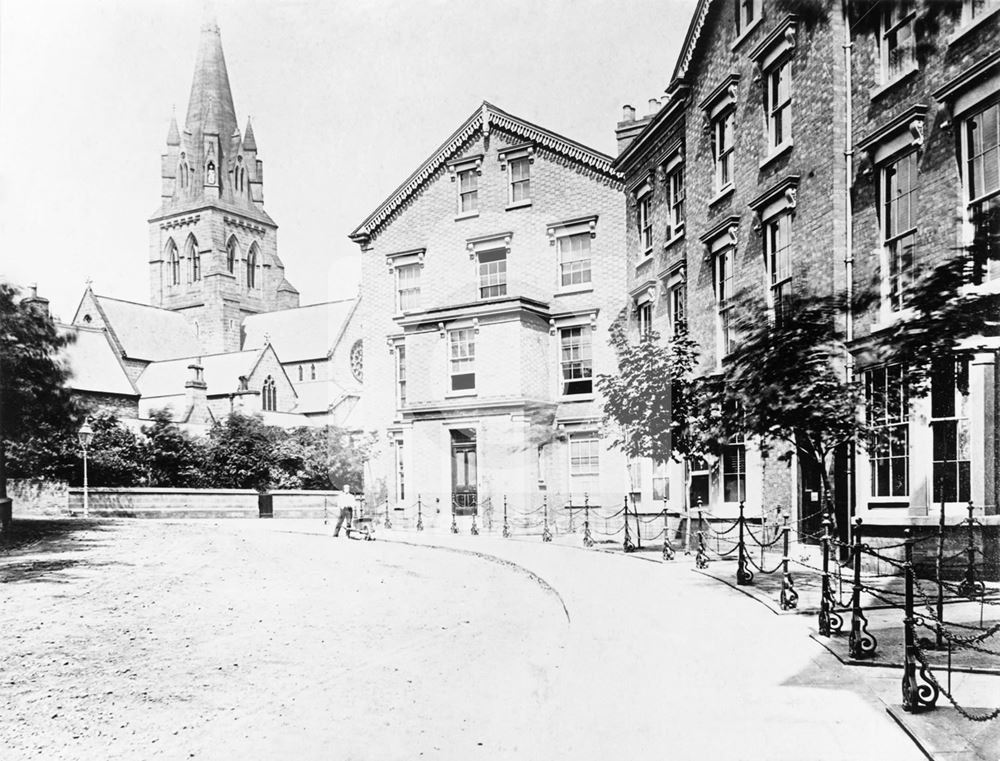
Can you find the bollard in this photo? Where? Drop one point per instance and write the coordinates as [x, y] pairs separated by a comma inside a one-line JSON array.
[[475, 529], [546, 534], [862, 643], [506, 526], [701, 557], [971, 586], [420, 515], [588, 540], [627, 545], [939, 571], [917, 695], [789, 597], [668, 548], [744, 575], [326, 512], [454, 522], [388, 523], [825, 595]]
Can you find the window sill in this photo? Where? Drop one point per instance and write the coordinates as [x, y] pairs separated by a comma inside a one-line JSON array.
[[746, 33], [459, 394], [572, 289], [725, 192], [678, 237], [888, 318], [577, 398], [892, 503], [878, 92], [518, 205], [467, 215], [776, 153], [644, 261], [974, 24]]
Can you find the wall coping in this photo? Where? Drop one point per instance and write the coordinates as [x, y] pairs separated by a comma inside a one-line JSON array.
[[148, 490]]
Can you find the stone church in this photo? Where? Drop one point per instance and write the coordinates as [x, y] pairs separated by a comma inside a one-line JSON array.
[[224, 329]]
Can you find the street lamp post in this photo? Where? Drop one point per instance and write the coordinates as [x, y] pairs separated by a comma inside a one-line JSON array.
[[85, 434]]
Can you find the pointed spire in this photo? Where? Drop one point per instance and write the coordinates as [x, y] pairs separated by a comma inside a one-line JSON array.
[[210, 125], [210, 83], [249, 143], [173, 135]]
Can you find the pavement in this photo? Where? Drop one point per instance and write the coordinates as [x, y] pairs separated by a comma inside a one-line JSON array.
[[221, 639]]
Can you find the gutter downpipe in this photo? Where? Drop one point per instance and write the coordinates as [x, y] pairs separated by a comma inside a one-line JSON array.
[[849, 238]]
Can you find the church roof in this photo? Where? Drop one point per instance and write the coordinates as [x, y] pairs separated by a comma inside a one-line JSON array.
[[147, 332], [300, 334], [211, 96], [483, 118], [317, 396], [93, 363], [221, 373]]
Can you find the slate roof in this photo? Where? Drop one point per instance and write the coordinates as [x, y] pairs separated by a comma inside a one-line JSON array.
[[147, 332], [483, 118], [317, 396], [94, 364], [222, 373], [300, 334]]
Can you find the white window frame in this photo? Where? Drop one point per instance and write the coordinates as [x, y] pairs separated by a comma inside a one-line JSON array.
[[491, 274], [882, 423], [746, 16], [975, 197], [468, 167], [400, 374], [778, 105], [461, 358], [644, 220], [407, 261], [778, 263], [674, 283], [723, 126], [584, 358], [892, 20], [673, 180], [895, 277], [507, 158], [959, 419], [720, 245], [583, 452]]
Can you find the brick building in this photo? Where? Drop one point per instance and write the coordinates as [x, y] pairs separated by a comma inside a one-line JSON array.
[[758, 175], [925, 102], [489, 279]]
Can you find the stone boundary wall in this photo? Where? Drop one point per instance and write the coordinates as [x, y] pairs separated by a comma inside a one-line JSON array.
[[306, 504], [37, 496], [165, 503], [198, 503]]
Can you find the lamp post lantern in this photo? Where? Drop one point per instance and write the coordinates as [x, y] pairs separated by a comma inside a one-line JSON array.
[[85, 434]]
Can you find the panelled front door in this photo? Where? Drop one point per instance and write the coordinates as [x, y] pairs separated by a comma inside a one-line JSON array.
[[464, 496]]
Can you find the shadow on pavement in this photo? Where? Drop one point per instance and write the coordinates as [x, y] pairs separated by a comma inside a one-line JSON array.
[[24, 548]]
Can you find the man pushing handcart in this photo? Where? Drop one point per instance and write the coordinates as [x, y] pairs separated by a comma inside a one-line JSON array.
[[358, 526]]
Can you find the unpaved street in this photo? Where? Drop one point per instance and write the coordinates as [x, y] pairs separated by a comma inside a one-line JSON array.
[[258, 639]]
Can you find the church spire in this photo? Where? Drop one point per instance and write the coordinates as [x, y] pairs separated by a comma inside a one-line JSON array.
[[210, 86], [173, 135]]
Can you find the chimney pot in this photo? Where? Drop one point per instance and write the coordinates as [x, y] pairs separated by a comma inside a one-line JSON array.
[[628, 113], [654, 106]]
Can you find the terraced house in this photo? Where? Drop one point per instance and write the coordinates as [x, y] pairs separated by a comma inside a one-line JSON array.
[[489, 279], [759, 174]]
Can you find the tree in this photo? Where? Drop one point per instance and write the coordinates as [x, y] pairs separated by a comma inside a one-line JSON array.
[[172, 457], [787, 381], [115, 456], [32, 379], [653, 398], [240, 453]]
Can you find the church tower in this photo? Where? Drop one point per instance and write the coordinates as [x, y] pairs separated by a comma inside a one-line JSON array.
[[213, 249]]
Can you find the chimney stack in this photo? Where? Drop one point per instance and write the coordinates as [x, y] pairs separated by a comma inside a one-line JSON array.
[[629, 127], [654, 106], [36, 302]]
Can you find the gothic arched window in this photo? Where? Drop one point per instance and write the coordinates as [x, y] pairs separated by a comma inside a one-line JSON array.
[[269, 394], [194, 256], [232, 254], [252, 267], [173, 263], [182, 172]]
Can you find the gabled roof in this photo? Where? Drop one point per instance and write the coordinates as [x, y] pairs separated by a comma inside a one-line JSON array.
[[483, 118], [146, 332], [94, 364], [221, 373], [691, 39], [318, 396], [301, 334]]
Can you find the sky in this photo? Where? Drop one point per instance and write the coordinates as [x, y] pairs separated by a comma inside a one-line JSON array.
[[347, 99]]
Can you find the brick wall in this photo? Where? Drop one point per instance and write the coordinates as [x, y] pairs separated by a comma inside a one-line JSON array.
[[166, 503]]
